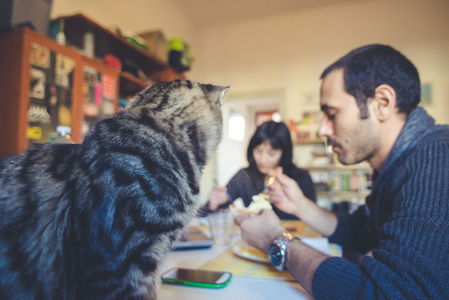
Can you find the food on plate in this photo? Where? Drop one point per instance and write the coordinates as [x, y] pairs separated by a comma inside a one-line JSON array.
[[252, 252], [255, 206], [259, 203]]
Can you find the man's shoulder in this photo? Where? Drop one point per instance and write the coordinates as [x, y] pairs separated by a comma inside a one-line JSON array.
[[432, 146], [424, 148], [435, 134]]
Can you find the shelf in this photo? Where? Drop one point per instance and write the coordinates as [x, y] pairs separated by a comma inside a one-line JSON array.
[[131, 84], [364, 167], [108, 42], [309, 141], [342, 194], [168, 74]]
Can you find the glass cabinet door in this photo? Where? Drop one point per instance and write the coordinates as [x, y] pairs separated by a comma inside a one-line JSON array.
[[99, 97], [50, 95]]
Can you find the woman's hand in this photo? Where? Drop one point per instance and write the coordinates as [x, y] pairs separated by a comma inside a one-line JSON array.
[[217, 197]]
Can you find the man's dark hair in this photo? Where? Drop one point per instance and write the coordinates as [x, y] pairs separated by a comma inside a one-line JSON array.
[[367, 67]]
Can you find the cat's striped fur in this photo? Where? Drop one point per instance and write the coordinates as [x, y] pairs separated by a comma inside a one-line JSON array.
[[93, 221]]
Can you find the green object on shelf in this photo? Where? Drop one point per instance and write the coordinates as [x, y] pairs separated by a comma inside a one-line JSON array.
[[135, 42], [176, 44], [180, 54]]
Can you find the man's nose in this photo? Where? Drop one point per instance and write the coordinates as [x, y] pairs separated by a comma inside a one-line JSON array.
[[325, 129]]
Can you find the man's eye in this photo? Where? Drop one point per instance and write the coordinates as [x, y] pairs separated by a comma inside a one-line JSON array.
[[331, 117]]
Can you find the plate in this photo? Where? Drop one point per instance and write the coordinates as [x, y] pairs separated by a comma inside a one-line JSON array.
[[246, 251]]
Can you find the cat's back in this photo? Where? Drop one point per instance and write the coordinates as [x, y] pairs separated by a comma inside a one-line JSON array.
[[39, 167], [170, 128], [31, 217], [32, 182]]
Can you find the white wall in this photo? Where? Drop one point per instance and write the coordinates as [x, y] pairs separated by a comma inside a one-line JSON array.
[[290, 51]]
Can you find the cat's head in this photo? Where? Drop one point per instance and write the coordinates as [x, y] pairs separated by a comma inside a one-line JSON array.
[[186, 109]]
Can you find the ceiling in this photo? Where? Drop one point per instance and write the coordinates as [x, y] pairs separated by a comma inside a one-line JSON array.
[[209, 12]]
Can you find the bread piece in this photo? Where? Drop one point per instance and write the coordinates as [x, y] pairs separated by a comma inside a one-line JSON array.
[[255, 206]]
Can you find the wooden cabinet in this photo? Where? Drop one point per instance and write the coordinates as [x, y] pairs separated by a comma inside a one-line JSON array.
[[40, 90], [47, 86]]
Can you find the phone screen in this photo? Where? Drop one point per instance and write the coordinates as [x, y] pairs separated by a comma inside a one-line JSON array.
[[197, 277]]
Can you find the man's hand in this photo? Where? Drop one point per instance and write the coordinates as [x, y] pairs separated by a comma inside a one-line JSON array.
[[261, 230], [286, 195]]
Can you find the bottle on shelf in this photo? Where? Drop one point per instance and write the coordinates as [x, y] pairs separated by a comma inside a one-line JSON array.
[[60, 36], [63, 136]]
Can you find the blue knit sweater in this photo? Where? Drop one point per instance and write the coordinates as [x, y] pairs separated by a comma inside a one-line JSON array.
[[405, 223]]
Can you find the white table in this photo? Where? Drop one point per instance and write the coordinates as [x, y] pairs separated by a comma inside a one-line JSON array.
[[240, 287]]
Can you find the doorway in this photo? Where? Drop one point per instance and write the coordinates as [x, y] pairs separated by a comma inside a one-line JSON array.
[[253, 108]]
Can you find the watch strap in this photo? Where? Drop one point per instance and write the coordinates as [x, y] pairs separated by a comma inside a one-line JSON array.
[[290, 236], [282, 242]]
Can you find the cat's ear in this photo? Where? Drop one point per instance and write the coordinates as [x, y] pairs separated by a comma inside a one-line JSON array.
[[221, 91]]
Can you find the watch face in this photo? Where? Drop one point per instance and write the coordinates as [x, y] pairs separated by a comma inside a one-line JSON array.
[[275, 255]]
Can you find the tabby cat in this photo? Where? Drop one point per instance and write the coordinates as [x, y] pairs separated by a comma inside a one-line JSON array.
[[93, 220]]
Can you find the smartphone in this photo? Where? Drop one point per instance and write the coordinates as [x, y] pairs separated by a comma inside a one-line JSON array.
[[195, 277]]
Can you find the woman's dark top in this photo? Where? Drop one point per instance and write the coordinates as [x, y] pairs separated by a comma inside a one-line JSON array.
[[249, 182]]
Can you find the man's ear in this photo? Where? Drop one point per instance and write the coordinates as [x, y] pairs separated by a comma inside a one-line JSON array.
[[384, 102]]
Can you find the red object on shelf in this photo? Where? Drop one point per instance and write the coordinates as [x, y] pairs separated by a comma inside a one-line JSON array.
[[113, 62], [292, 125]]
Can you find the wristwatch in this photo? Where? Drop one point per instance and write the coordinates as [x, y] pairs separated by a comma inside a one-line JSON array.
[[278, 250]]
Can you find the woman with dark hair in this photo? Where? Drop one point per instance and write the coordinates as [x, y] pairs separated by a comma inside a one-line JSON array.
[[269, 147]]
